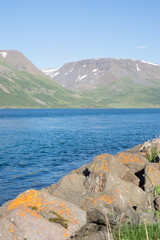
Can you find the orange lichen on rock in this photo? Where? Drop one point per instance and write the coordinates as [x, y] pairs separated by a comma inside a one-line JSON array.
[[66, 234], [128, 157], [63, 210], [103, 167], [42, 205], [150, 169], [153, 173], [107, 198], [102, 156], [30, 198], [25, 210], [100, 163]]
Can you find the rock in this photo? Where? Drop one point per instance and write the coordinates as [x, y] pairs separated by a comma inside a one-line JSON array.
[[101, 235], [95, 182], [92, 231], [152, 175], [135, 149], [69, 188], [106, 163], [22, 223], [152, 149], [81, 170], [156, 144], [118, 193], [135, 162], [145, 146], [72, 182], [109, 185], [33, 215], [148, 217], [157, 203]]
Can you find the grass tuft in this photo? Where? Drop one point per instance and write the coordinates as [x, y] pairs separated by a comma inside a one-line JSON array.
[[137, 232], [151, 156]]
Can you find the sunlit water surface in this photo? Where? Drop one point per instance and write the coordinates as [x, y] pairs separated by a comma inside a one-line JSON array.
[[38, 147]]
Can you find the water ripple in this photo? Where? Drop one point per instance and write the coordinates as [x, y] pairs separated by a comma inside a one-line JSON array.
[[38, 147]]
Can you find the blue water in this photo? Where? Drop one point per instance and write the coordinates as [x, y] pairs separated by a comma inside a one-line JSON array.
[[38, 147]]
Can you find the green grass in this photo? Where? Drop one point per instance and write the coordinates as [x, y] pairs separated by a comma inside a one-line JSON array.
[[125, 94], [157, 190], [151, 156], [137, 232], [25, 88]]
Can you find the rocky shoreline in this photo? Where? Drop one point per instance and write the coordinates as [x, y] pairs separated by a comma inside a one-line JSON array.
[[89, 199]]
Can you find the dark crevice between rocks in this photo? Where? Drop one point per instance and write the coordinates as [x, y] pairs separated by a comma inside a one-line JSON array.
[[86, 172], [134, 207], [140, 175], [99, 224]]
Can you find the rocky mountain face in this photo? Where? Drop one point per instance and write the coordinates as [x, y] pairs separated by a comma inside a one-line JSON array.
[[22, 85], [90, 74], [112, 83]]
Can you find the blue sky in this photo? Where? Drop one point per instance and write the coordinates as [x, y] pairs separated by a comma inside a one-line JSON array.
[[53, 32]]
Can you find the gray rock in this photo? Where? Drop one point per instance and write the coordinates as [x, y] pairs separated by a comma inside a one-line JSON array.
[[135, 162], [157, 203], [106, 163], [34, 215], [69, 188], [152, 175]]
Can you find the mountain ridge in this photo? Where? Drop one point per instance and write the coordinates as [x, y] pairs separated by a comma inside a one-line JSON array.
[[22, 85], [86, 74], [94, 83], [17, 60]]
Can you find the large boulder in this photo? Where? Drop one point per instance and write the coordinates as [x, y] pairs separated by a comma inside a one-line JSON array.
[[33, 215], [117, 193], [152, 175], [69, 188], [108, 184], [106, 163], [135, 162], [135, 149]]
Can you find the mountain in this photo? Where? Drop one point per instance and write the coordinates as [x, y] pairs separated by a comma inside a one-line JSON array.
[[112, 82], [22, 85], [94, 83]]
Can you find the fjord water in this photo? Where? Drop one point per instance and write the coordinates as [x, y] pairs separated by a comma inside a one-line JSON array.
[[38, 147]]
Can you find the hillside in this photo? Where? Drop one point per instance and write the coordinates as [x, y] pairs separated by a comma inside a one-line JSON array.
[[95, 83], [112, 82], [22, 85]]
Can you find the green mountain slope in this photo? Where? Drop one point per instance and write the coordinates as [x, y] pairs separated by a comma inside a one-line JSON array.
[[129, 84], [125, 94], [22, 89]]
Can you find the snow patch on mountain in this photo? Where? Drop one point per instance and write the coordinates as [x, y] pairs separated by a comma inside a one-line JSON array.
[[55, 74], [4, 54], [51, 72], [137, 67], [150, 63], [81, 77], [95, 70]]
